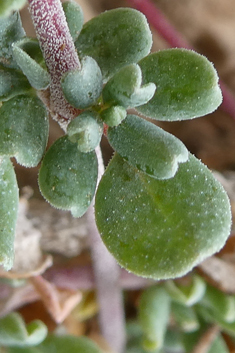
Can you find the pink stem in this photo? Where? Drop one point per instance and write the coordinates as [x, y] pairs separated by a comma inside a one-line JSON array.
[[160, 23], [58, 50]]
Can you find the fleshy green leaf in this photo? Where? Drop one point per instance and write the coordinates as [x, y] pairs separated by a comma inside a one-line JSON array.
[[161, 228], [187, 295], [115, 38], [8, 212], [86, 130], [185, 317], [12, 83], [24, 129], [68, 177], [124, 88], [222, 304], [218, 346], [113, 116], [25, 52], [74, 16], [187, 85], [11, 30], [13, 331], [154, 311], [82, 87], [7, 6], [147, 147]]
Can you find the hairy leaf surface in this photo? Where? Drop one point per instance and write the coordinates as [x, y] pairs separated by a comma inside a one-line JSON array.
[[74, 17], [24, 129], [11, 30], [12, 83], [124, 88], [82, 87], [161, 228], [187, 85], [115, 38], [8, 212], [147, 147], [28, 55], [86, 130], [68, 177]]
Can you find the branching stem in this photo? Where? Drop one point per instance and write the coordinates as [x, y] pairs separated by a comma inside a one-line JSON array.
[[58, 50]]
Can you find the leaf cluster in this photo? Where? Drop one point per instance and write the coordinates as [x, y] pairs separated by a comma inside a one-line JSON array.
[[158, 208]]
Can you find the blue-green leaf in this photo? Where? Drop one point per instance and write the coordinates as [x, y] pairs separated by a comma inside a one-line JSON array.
[[187, 85], [114, 115], [14, 332], [12, 83], [24, 129], [154, 311], [8, 212], [189, 294], [147, 147], [25, 52], [161, 228], [115, 38], [82, 87], [124, 88], [86, 130], [11, 30], [74, 17], [68, 177]]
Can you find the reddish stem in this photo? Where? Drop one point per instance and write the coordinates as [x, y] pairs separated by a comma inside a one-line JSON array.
[[160, 23], [58, 50]]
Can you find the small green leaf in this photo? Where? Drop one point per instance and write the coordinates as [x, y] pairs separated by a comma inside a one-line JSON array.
[[147, 147], [11, 30], [218, 346], [82, 87], [24, 129], [161, 228], [7, 6], [68, 177], [74, 16], [189, 294], [113, 116], [187, 85], [25, 52], [8, 212], [71, 344], [222, 304], [154, 311], [114, 39], [12, 83], [14, 332], [185, 317], [124, 88], [86, 130]]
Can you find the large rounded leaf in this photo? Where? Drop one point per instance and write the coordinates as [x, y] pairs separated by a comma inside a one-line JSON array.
[[161, 228], [24, 129], [115, 38], [8, 212], [187, 85], [68, 177], [147, 147]]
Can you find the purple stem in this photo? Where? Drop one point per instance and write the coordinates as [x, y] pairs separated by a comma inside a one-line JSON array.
[[160, 23], [58, 50]]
